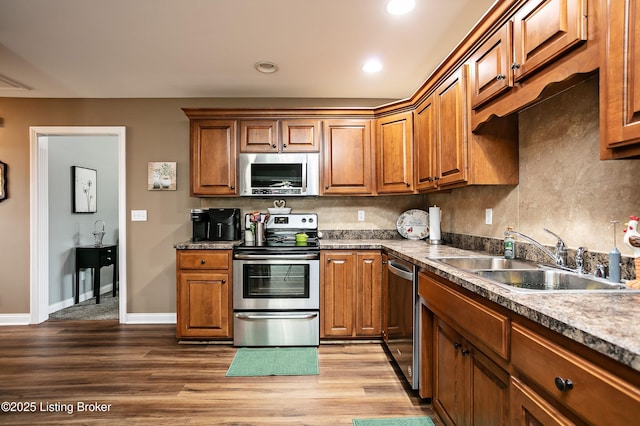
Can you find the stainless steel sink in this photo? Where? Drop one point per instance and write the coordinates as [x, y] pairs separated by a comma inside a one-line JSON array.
[[486, 263], [550, 279]]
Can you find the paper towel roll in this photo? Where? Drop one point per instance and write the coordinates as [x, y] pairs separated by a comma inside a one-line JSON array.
[[434, 223]]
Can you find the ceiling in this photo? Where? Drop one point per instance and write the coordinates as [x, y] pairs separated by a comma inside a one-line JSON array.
[[208, 48]]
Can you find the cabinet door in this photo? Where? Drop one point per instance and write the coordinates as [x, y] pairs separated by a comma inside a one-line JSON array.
[[300, 136], [424, 144], [489, 399], [452, 128], [337, 300], [213, 157], [367, 294], [490, 67], [347, 158], [620, 80], [529, 409], [259, 136], [544, 30], [394, 142], [204, 304], [449, 375]]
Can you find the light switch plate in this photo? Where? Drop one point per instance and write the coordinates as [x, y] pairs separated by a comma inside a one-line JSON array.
[[360, 215], [488, 216], [138, 215]]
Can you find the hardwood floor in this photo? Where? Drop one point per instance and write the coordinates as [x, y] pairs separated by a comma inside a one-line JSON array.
[[140, 374]]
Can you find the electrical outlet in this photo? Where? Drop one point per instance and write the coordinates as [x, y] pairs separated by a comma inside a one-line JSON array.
[[488, 216], [360, 215]]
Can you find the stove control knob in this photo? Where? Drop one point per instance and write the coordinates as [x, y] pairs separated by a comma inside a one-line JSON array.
[[304, 220], [310, 220]]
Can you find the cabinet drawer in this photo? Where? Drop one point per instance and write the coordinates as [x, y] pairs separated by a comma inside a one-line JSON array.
[[594, 394], [480, 324], [203, 259]]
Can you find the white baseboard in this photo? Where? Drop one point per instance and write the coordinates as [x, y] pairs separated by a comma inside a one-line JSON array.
[[84, 296], [15, 319], [150, 319]]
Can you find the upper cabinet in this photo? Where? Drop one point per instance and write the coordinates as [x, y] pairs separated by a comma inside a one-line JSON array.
[[212, 158], [394, 153], [620, 80], [544, 30], [298, 135], [424, 144], [347, 158], [542, 49]]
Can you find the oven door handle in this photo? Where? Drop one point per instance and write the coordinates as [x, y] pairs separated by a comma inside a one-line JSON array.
[[275, 256], [268, 316]]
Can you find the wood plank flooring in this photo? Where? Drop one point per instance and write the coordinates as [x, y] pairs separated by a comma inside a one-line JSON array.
[[106, 373]]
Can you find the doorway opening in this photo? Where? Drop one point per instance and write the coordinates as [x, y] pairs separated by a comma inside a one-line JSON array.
[[42, 139]]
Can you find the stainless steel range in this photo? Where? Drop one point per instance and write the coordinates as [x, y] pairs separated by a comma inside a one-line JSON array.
[[276, 285]]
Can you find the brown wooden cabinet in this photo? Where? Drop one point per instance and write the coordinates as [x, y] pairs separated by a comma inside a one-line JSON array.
[[469, 389], [298, 135], [527, 408], [350, 294], [394, 154], [490, 72], [347, 157], [425, 145], [620, 80], [204, 298], [452, 129], [212, 158]]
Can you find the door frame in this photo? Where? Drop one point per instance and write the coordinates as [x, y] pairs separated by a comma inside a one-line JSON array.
[[39, 214]]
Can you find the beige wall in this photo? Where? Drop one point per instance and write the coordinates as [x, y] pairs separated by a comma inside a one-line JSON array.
[[563, 186]]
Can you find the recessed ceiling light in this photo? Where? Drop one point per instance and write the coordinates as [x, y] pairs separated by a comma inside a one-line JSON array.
[[372, 65], [266, 67], [400, 7]]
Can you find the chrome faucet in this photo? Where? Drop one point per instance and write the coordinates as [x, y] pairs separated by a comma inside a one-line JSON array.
[[580, 260], [560, 255]]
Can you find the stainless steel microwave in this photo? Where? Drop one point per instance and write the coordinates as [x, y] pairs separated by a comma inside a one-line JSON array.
[[279, 175]]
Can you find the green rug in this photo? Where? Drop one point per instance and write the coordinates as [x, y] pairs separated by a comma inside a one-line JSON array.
[[396, 421], [274, 362]]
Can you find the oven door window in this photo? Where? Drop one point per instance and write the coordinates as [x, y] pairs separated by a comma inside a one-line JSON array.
[[277, 175], [276, 281]]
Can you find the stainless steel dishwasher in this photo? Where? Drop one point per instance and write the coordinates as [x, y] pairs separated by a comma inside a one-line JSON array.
[[401, 317]]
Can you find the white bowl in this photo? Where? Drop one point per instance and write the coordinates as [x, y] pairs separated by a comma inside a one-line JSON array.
[[282, 210]]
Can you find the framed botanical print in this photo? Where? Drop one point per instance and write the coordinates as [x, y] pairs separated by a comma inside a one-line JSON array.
[[3, 181], [85, 191]]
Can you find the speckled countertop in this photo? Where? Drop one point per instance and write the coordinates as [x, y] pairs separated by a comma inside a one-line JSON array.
[[608, 323]]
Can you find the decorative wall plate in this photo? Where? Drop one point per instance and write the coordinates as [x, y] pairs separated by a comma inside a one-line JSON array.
[[413, 224]]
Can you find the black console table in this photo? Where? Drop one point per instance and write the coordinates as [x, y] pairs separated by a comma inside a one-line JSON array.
[[95, 258]]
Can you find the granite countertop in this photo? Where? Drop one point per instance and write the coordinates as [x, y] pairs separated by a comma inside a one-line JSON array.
[[606, 322]]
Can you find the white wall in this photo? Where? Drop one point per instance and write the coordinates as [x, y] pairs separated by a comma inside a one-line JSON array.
[[67, 229]]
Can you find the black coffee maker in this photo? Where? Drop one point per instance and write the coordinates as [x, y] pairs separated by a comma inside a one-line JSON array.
[[200, 224]]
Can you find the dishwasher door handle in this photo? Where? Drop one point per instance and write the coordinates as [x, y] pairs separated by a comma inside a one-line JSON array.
[[400, 270], [267, 316]]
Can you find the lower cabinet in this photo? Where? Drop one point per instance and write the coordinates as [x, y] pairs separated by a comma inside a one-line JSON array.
[[469, 389], [490, 366], [204, 298], [350, 293]]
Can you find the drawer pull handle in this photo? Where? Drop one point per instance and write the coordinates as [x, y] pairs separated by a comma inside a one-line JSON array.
[[563, 385], [500, 77], [202, 261]]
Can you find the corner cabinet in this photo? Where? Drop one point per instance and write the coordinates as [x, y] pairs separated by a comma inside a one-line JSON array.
[[394, 150], [204, 298], [347, 157], [212, 158], [350, 294], [620, 80]]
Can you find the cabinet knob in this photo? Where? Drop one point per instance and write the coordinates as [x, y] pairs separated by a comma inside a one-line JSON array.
[[465, 352], [429, 179], [515, 66], [408, 184], [328, 259], [274, 146], [284, 145], [563, 385], [500, 77], [436, 178], [232, 187], [202, 261], [223, 281], [457, 345], [326, 187]]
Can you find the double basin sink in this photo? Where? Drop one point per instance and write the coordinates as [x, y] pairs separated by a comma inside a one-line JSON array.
[[525, 276]]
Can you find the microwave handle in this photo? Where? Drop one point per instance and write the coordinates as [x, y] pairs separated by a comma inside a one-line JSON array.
[[304, 177]]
